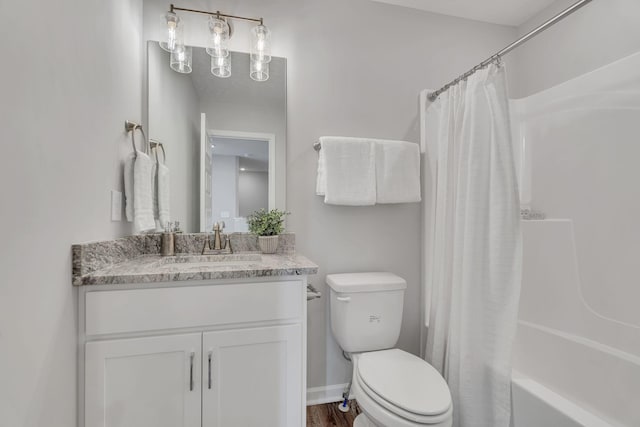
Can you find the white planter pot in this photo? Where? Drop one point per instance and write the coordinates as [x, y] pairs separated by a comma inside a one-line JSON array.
[[268, 244]]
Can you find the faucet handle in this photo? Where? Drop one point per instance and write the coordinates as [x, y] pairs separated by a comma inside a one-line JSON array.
[[221, 225]]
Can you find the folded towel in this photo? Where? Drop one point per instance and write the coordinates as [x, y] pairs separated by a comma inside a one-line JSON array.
[[347, 171], [397, 172], [142, 195], [128, 186], [163, 194]]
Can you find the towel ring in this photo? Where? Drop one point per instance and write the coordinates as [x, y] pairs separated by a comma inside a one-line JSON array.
[[154, 145], [131, 127]]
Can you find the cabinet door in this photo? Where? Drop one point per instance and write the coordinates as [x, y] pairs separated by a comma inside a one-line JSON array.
[[253, 378], [144, 382]]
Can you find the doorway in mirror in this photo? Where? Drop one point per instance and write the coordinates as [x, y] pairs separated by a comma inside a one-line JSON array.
[[238, 177]]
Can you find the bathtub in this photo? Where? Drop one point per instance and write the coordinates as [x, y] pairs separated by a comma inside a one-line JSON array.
[[573, 367], [533, 405], [576, 354]]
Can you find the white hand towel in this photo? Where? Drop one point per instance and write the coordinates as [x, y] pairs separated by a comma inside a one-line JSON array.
[[349, 171], [164, 211], [128, 186], [321, 177], [142, 194], [397, 172], [154, 189]]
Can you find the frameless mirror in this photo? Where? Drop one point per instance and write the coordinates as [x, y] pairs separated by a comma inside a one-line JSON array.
[[224, 138]]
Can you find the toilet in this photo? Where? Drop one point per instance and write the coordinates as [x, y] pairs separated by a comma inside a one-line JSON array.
[[393, 388]]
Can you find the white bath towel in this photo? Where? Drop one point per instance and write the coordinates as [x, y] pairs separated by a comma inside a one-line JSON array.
[[397, 172], [346, 171], [142, 194], [164, 212], [128, 186]]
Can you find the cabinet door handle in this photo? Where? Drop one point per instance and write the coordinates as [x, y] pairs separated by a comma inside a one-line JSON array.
[[210, 355], [191, 357]]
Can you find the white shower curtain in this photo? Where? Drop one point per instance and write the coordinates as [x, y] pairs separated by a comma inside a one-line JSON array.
[[476, 249]]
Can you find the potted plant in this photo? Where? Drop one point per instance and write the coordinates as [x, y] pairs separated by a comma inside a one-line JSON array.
[[267, 225]]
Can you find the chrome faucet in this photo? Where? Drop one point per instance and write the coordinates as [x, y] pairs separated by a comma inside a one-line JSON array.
[[217, 239]]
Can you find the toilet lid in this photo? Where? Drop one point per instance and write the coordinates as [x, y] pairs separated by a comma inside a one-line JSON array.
[[405, 381]]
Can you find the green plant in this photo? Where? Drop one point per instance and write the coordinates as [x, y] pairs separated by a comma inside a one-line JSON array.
[[267, 223]]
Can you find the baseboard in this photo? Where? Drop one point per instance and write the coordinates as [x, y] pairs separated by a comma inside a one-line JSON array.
[[325, 394]]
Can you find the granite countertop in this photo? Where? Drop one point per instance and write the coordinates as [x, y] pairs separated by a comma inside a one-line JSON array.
[[135, 259], [154, 268]]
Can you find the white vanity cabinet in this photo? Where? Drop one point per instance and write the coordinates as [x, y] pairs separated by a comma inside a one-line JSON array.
[[151, 381], [214, 354]]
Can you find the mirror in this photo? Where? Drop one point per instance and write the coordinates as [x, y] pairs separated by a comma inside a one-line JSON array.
[[224, 138]]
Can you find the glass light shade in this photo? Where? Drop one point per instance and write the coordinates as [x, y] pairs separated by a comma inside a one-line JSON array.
[[221, 67], [260, 44], [219, 38], [259, 71], [181, 58], [173, 35]]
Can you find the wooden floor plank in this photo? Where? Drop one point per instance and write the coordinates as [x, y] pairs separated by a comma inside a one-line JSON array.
[[328, 415]]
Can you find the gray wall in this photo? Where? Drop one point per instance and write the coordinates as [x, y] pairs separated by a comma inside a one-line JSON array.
[[339, 84], [596, 35], [76, 76], [174, 120], [253, 192]]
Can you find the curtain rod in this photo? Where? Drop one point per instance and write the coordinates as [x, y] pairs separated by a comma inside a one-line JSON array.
[[432, 96]]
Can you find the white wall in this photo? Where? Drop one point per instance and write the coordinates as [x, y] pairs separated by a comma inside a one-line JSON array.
[[598, 34], [224, 189], [253, 192], [354, 68], [75, 76], [174, 120]]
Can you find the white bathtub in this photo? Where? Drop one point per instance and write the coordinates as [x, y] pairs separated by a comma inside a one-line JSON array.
[[534, 405], [577, 348], [573, 366]]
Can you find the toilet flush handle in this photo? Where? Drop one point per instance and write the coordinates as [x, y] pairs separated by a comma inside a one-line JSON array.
[[344, 299]]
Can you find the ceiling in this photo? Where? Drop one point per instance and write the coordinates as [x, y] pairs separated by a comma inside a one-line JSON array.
[[504, 12]]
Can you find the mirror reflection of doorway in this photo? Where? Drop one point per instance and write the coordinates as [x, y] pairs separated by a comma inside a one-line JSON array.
[[239, 175]]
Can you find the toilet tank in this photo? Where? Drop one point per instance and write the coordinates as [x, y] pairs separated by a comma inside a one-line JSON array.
[[366, 310]]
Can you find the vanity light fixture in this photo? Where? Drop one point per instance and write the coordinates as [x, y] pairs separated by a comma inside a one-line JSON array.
[[259, 71], [219, 40], [260, 44], [180, 60], [174, 32], [218, 46], [221, 67]]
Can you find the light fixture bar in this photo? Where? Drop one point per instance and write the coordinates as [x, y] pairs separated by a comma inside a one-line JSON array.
[[217, 14]]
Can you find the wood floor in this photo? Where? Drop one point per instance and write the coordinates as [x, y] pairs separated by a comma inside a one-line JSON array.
[[328, 415]]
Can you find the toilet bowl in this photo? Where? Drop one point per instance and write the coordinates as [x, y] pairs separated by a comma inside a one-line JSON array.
[[397, 389], [392, 387]]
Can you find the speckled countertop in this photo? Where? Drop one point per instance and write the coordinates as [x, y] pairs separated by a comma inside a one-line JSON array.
[[154, 268], [130, 260]]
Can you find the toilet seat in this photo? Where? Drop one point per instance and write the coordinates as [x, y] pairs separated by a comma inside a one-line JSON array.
[[404, 385]]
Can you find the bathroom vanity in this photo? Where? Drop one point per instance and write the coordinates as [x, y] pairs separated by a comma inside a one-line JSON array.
[[191, 341]]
